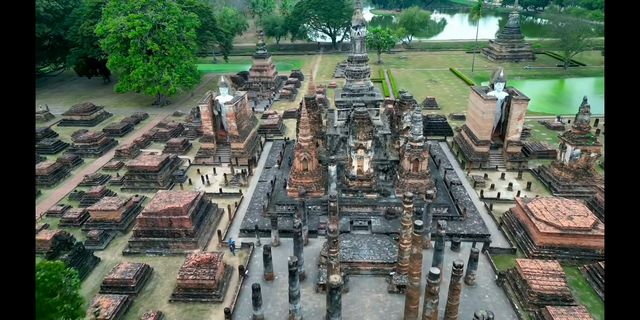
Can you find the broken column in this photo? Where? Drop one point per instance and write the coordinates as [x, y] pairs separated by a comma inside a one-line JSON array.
[[256, 302], [404, 245], [275, 235], [305, 223], [438, 252], [412, 298], [267, 262], [334, 297], [298, 245], [295, 308], [333, 233], [472, 267], [431, 295], [428, 220], [451, 311]]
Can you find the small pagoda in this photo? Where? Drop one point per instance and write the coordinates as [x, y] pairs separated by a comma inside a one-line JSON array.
[[509, 45]]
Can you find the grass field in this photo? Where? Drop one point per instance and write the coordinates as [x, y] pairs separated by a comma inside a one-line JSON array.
[[584, 294]]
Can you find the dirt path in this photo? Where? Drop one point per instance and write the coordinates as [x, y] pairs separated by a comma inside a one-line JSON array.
[[69, 184], [316, 64]]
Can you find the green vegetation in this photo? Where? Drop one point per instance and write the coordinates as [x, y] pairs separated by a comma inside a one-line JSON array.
[[261, 8], [57, 292], [583, 292], [86, 57], [285, 66], [53, 24], [394, 86], [151, 45], [573, 37], [329, 17], [463, 77], [504, 262], [561, 58], [385, 85], [380, 40], [412, 21]]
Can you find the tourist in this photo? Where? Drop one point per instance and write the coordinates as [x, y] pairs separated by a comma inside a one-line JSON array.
[[232, 246]]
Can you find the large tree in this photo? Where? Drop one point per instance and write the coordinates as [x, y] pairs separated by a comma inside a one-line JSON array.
[[475, 15], [87, 57], [151, 45], [413, 20], [261, 8], [229, 24], [380, 40], [275, 26], [57, 292], [53, 22], [573, 37], [206, 31], [329, 17]]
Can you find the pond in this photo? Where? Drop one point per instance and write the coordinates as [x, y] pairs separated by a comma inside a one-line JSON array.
[[456, 25], [561, 96]]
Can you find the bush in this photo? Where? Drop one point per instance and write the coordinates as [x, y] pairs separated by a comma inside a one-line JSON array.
[[463, 77], [394, 86]]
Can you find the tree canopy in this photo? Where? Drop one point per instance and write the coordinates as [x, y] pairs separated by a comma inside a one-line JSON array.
[[261, 8], [329, 17], [413, 20], [380, 40], [151, 44], [275, 26], [399, 4], [229, 24], [87, 57], [53, 23], [57, 292], [573, 37]]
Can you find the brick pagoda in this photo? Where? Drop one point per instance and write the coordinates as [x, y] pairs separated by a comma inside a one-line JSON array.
[[264, 82], [126, 278], [127, 151], [555, 228], [118, 129], [203, 277], [95, 194], [490, 136], [174, 222], [109, 307], [149, 172], [165, 130], [538, 283], [74, 217], [509, 43], [90, 143], [573, 174], [114, 213], [413, 172], [70, 160], [98, 239], [307, 176], [84, 114], [177, 146], [50, 146]]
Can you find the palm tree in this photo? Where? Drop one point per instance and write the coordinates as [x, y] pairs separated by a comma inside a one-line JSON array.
[[475, 15]]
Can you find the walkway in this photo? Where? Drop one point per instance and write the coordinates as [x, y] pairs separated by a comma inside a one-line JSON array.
[[69, 184], [388, 82], [234, 229], [497, 237]]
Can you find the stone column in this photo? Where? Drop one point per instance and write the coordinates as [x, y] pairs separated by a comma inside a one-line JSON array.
[[438, 253], [256, 302], [304, 215], [431, 295], [275, 233], [412, 298], [295, 308], [404, 245], [472, 267], [334, 297], [333, 234], [428, 220], [267, 263], [298, 245], [455, 286]]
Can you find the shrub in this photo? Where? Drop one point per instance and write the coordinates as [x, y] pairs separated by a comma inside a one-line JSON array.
[[463, 77]]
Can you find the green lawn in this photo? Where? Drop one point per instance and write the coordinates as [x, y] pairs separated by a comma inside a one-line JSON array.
[[284, 66], [504, 262], [583, 292]]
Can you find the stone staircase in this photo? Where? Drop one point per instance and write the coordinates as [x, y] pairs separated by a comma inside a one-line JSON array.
[[496, 159], [223, 151]]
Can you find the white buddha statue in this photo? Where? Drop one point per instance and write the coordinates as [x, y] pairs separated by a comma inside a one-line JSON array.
[[220, 110], [499, 85]]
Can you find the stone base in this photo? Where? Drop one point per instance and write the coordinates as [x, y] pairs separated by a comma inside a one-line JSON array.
[[122, 305], [516, 290], [321, 280], [594, 273], [508, 53], [123, 225], [561, 188], [132, 290], [216, 296], [518, 232], [102, 243], [93, 151], [85, 123], [172, 246], [85, 266], [398, 283]]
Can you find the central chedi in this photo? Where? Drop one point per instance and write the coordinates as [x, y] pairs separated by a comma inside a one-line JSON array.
[[509, 44], [307, 177]]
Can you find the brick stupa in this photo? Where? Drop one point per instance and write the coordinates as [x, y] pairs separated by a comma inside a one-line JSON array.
[[114, 213], [509, 45], [174, 222], [109, 307], [555, 228], [90, 143], [126, 278], [203, 277], [149, 172], [538, 283], [84, 114]]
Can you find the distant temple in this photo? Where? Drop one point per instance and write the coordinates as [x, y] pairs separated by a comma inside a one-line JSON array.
[[509, 44]]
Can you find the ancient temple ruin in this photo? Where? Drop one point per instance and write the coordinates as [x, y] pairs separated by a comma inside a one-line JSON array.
[[84, 114], [150, 172], [91, 144], [573, 174], [230, 129], [307, 177], [555, 228], [49, 173], [509, 43], [263, 83], [126, 278], [109, 306], [490, 136], [114, 213], [174, 222], [61, 245], [203, 277]]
